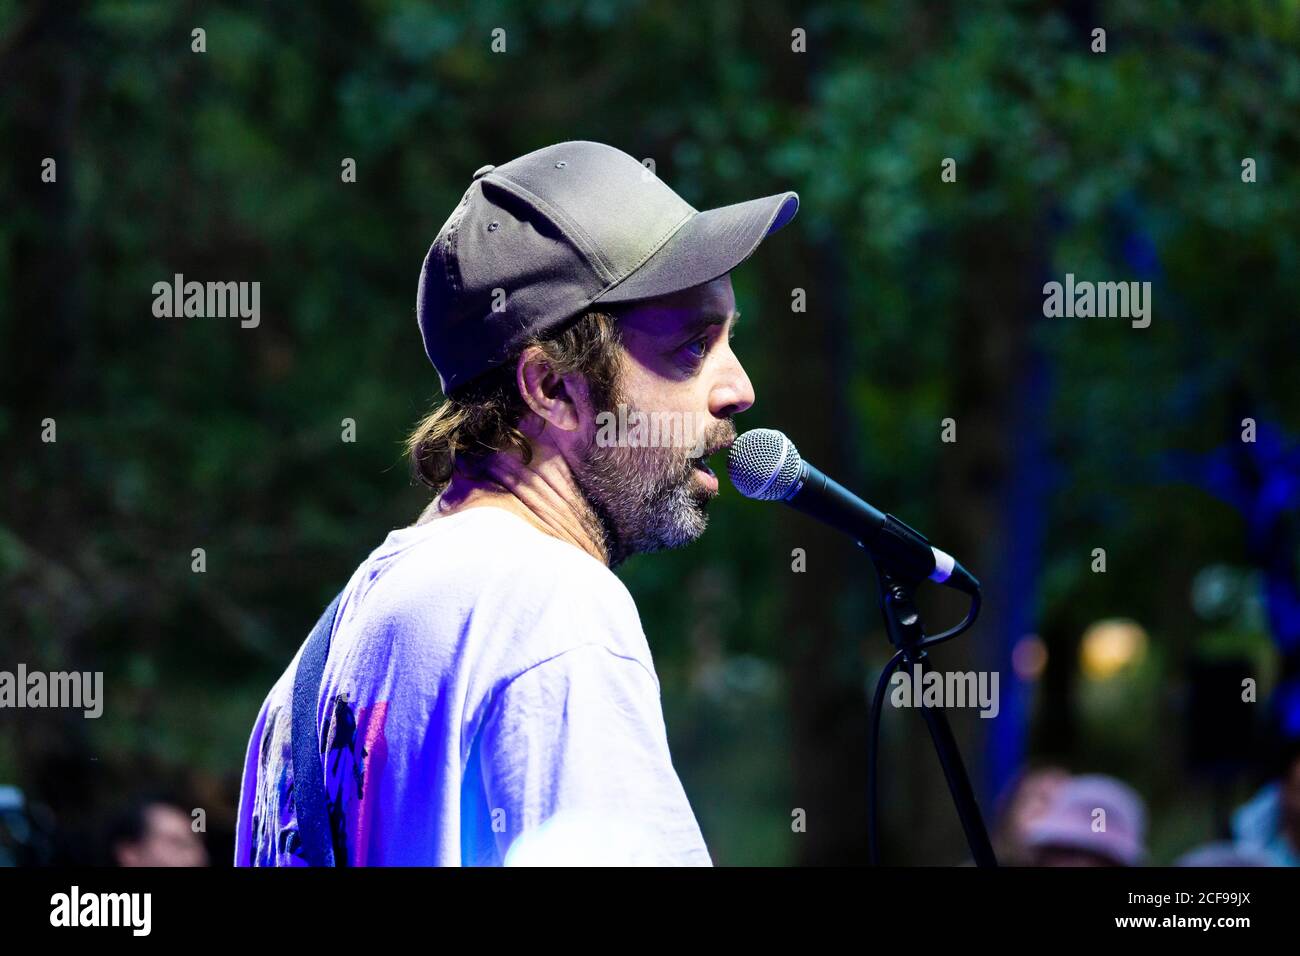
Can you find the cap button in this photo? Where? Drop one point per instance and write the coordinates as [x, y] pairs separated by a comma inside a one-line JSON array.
[[483, 170]]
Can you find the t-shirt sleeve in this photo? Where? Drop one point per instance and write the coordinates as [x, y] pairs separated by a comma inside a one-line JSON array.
[[244, 831], [577, 770]]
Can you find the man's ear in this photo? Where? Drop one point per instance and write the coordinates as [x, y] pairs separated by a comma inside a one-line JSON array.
[[555, 399]]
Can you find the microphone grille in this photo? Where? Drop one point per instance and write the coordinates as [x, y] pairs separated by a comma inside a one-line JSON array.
[[764, 464]]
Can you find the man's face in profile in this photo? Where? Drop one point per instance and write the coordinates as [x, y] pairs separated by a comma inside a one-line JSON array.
[[649, 483]]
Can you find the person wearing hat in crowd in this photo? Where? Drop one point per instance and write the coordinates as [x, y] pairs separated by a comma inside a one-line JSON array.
[[1024, 800], [1091, 820], [484, 671]]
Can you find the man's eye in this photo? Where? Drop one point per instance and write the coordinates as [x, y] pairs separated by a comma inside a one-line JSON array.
[[697, 348]]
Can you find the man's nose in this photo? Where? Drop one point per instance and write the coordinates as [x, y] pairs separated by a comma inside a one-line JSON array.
[[733, 393]]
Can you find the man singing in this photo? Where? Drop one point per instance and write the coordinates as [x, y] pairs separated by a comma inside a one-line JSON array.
[[486, 693]]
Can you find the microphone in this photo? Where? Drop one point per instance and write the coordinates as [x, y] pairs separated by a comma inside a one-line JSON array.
[[765, 465]]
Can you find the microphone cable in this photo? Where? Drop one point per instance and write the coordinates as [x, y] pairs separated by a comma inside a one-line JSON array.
[[877, 705]]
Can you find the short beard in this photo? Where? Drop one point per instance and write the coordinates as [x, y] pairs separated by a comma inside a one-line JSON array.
[[646, 499]]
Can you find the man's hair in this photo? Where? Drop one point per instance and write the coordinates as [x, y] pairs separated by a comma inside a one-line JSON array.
[[483, 418]]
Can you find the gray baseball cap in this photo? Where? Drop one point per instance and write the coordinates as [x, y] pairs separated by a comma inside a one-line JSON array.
[[539, 240]]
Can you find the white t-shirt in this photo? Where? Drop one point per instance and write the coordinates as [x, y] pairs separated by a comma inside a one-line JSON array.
[[489, 697]]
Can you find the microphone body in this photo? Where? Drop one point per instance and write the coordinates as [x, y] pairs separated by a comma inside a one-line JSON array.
[[767, 466]]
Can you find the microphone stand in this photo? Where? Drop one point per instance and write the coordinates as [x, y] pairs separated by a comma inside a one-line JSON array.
[[903, 624]]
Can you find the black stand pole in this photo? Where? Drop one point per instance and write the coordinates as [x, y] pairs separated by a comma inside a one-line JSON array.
[[903, 624]]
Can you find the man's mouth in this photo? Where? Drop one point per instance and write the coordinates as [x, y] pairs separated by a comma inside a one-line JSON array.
[[702, 462]]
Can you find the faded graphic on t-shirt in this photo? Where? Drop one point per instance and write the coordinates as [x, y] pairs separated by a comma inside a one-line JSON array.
[[354, 742]]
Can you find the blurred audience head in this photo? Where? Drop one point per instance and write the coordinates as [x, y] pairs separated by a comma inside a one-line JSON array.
[[1289, 790], [1224, 853], [155, 831], [1090, 820], [1025, 800], [25, 830]]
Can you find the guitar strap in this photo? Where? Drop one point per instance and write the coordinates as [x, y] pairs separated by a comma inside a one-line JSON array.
[[308, 770]]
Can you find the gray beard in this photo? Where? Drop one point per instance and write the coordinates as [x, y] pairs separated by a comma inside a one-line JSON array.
[[644, 499]]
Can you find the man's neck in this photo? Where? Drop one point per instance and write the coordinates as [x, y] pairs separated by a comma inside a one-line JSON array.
[[542, 494]]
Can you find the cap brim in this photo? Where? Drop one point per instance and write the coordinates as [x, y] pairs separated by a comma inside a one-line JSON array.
[[710, 244], [1121, 849]]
